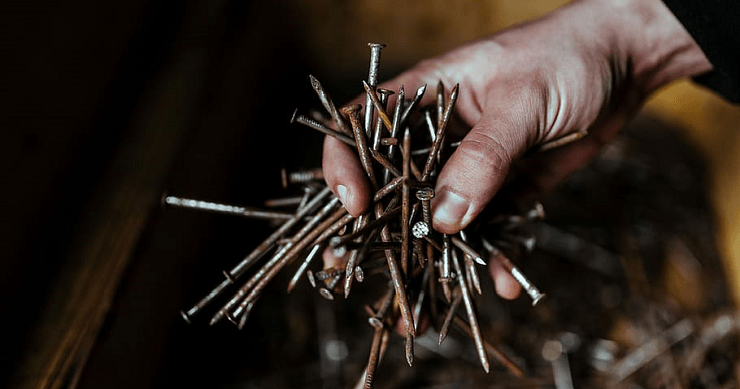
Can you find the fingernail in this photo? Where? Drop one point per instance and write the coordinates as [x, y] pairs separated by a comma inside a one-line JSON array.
[[342, 193], [451, 209]]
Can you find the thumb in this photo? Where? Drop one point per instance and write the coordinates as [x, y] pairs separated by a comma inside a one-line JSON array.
[[477, 169]]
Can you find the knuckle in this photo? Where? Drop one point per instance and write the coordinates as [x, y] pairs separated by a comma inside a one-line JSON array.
[[483, 149]]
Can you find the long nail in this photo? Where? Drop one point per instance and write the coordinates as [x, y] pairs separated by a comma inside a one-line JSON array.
[[304, 237], [354, 257], [307, 235], [472, 319], [447, 115], [361, 142], [396, 276], [372, 79], [433, 309], [384, 336], [327, 102], [300, 176], [369, 226], [440, 103], [467, 249], [471, 274], [437, 144], [255, 284], [306, 121], [451, 311], [378, 128], [394, 131], [520, 278], [414, 103], [227, 209], [409, 348], [445, 276], [419, 250], [425, 196], [386, 163], [421, 297], [304, 265], [257, 253], [499, 355], [245, 315], [431, 125], [371, 93], [374, 357]]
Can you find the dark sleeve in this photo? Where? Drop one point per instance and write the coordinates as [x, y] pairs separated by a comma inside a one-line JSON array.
[[714, 26]]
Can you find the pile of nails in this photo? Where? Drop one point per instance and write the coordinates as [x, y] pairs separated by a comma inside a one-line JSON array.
[[426, 271]]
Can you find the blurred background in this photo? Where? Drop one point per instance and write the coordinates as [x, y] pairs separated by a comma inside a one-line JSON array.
[[107, 105]]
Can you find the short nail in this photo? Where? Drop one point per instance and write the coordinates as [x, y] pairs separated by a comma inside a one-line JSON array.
[[342, 193], [451, 209]]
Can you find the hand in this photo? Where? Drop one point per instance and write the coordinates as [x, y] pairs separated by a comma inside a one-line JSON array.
[[587, 66]]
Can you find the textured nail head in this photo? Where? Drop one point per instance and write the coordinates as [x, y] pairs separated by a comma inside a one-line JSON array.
[[425, 194], [420, 230]]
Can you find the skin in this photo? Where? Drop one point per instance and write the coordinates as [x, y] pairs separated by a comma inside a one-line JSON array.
[[588, 65]]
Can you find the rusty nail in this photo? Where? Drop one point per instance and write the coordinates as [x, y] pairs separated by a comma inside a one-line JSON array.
[[456, 300], [306, 121], [472, 319], [353, 111], [425, 196], [301, 176], [372, 79], [329, 105], [227, 209], [414, 103]]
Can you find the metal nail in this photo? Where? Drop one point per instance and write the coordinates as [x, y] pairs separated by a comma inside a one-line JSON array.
[[451, 311], [353, 111], [472, 319], [315, 251], [378, 128], [327, 102], [375, 101], [520, 278], [226, 209], [301, 176], [261, 250], [414, 103], [311, 123], [372, 79], [425, 196]]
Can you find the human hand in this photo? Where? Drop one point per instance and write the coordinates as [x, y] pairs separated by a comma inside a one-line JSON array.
[[587, 66]]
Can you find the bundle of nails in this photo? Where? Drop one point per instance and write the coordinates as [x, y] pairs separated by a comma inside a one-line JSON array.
[[401, 152]]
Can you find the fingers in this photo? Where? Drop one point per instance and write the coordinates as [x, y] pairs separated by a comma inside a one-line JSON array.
[[505, 285], [543, 172], [343, 172], [333, 261], [477, 169], [345, 176]]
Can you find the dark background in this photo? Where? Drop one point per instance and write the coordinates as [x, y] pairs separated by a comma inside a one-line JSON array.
[[82, 82]]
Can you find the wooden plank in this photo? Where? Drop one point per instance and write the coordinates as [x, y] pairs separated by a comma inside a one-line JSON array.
[[107, 233]]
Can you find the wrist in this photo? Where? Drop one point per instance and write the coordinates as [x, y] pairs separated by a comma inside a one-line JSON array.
[[652, 42]]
